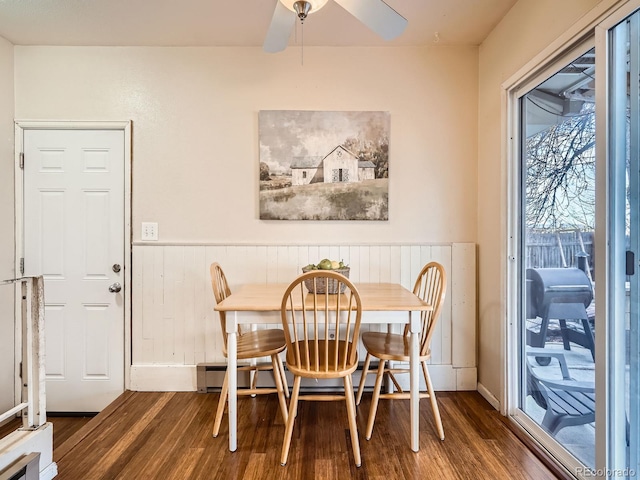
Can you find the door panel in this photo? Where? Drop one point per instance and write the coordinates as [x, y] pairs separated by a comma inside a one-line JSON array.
[[556, 328], [73, 235], [624, 248]]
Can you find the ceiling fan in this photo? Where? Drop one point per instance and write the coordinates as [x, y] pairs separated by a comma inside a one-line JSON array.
[[375, 14]]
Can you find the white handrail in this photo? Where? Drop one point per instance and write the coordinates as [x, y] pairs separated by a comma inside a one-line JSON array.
[[17, 409], [30, 344]]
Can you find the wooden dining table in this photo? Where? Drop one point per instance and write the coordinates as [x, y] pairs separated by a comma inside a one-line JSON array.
[[382, 303]]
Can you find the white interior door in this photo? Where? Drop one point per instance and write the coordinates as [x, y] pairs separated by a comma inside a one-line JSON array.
[[74, 235]]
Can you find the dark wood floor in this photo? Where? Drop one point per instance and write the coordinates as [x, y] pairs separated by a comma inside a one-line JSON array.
[[167, 436], [64, 427]]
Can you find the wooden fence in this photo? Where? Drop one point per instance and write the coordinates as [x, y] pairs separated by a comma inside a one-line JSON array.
[[558, 249]]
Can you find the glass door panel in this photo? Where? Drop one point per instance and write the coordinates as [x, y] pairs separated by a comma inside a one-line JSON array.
[[557, 321], [624, 226]]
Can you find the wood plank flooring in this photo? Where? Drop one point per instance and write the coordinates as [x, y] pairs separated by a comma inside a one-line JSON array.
[[64, 427], [167, 435]]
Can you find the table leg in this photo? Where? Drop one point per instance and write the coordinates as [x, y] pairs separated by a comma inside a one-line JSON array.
[[232, 367], [414, 356], [388, 384], [253, 374]]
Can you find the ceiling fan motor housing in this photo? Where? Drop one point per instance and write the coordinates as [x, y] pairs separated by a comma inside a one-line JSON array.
[[375, 14], [302, 9]]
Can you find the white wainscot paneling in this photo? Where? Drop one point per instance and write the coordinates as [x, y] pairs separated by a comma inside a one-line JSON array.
[[175, 327]]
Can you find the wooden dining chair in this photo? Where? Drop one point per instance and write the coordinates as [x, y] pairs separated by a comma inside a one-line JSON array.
[[251, 345], [430, 286], [309, 319]]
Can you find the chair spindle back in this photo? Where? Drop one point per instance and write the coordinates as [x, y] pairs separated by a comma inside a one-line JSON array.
[[430, 286], [309, 318], [221, 291]]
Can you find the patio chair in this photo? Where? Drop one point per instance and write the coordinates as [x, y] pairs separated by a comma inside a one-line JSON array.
[[251, 345], [567, 402]]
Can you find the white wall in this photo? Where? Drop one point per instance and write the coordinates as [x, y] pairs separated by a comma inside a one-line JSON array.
[[195, 138], [176, 327], [529, 27], [6, 232]]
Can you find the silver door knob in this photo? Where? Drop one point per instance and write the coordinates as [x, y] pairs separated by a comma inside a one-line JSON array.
[[115, 287]]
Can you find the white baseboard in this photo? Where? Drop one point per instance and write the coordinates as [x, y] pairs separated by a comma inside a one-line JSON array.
[[466, 379], [163, 378], [183, 378], [488, 396], [444, 378], [49, 471]]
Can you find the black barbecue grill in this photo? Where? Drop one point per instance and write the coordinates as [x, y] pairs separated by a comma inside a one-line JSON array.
[[562, 294]]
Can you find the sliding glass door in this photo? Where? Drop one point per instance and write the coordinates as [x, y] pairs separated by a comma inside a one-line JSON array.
[[575, 279], [623, 227], [557, 205]]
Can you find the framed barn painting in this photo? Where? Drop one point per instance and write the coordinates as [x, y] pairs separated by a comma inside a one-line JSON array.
[[319, 165]]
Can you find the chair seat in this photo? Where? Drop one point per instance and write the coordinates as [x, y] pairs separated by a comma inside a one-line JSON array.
[[566, 402], [430, 287], [389, 346], [260, 343], [330, 370], [249, 345]]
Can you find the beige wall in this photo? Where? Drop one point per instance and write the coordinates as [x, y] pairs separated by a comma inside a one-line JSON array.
[[529, 27], [195, 138], [6, 220], [195, 148]]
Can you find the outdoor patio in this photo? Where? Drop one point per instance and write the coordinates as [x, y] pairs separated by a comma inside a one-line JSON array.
[[578, 439]]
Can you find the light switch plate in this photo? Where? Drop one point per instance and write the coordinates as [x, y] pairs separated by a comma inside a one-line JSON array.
[[149, 231]]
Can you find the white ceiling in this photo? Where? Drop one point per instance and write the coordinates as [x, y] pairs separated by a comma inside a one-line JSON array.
[[234, 23]]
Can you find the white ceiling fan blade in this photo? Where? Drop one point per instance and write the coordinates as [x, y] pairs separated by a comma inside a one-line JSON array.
[[282, 24], [376, 15]]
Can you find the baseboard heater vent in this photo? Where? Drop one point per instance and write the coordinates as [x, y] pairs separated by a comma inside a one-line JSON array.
[[211, 375]]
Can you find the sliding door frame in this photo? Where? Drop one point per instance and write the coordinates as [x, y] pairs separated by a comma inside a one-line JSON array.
[[589, 31], [517, 372], [610, 447]]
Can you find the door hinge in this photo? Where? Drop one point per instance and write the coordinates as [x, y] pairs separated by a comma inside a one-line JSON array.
[[22, 266], [22, 160]]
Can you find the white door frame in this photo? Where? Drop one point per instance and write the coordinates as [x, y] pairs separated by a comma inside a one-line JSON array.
[[125, 127]]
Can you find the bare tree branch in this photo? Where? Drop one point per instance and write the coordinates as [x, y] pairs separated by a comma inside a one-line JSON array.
[[560, 174]]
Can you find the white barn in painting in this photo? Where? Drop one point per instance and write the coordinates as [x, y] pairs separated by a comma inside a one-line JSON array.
[[339, 166]]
